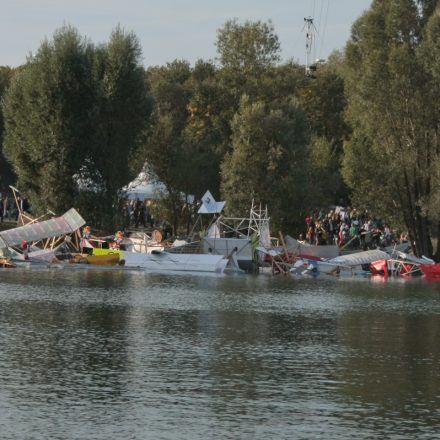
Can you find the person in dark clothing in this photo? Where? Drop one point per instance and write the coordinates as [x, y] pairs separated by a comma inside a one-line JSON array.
[[148, 217], [167, 230], [140, 210], [24, 205], [143, 214], [136, 212]]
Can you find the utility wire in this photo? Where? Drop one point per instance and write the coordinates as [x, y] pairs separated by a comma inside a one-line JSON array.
[[318, 28], [324, 29]]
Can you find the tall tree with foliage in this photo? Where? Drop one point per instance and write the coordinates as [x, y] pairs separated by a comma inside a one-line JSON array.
[[122, 109], [74, 119], [393, 153], [48, 113], [206, 133], [323, 100], [187, 139], [246, 52], [431, 59], [249, 46], [165, 155], [267, 158], [7, 176], [268, 162]]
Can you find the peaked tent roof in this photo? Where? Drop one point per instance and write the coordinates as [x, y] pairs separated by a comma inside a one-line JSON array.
[[209, 205], [143, 187]]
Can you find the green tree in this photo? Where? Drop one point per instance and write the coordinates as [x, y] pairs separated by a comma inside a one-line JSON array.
[[431, 61], [122, 110], [324, 179], [7, 176], [165, 155], [393, 153], [74, 120], [248, 46], [48, 121], [247, 53], [206, 133], [323, 100], [188, 137], [269, 160]]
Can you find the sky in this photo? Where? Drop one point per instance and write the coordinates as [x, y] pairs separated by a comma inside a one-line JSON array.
[[172, 29]]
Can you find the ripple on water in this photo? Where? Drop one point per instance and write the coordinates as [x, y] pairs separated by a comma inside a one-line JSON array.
[[89, 354]]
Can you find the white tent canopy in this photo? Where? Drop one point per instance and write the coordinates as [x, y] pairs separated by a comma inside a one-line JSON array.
[[210, 206], [143, 188]]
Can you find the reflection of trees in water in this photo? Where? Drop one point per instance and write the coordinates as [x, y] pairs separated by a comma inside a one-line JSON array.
[[107, 279], [70, 278], [392, 361], [230, 347], [267, 362], [72, 350], [234, 359]]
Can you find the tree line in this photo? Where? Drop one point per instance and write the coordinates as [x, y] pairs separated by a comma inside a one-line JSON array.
[[79, 121]]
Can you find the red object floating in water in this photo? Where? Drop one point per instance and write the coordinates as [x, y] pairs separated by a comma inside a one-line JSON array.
[[431, 270], [379, 267]]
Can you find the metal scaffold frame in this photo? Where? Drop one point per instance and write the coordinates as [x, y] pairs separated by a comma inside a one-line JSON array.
[[244, 227]]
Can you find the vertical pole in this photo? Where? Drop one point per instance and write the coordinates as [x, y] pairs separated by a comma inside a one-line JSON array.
[[310, 44]]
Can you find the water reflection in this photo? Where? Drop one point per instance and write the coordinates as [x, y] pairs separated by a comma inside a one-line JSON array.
[[122, 354]]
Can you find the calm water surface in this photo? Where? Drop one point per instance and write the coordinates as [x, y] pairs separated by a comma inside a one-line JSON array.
[[100, 354]]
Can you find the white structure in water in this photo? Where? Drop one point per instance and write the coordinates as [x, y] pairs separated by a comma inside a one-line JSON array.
[[235, 238], [166, 261]]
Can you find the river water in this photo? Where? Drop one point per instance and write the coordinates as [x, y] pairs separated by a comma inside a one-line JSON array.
[[100, 354]]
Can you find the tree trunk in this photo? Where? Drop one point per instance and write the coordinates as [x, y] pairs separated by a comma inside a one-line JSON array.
[[413, 230], [425, 236], [436, 256]]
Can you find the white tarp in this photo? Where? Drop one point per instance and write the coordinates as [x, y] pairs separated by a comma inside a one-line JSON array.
[[359, 258], [414, 259], [210, 206], [214, 231], [4, 252], [55, 227], [322, 251], [265, 236], [271, 252], [227, 246]]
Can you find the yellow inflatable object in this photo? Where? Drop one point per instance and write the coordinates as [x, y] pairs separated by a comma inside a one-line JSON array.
[[100, 252], [99, 260]]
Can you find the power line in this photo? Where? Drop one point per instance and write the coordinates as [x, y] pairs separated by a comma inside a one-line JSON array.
[[318, 28], [324, 29]]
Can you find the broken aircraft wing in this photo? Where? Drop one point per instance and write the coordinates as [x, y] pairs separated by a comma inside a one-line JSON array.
[[358, 258], [55, 227]]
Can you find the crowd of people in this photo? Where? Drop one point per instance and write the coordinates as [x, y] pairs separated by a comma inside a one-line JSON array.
[[349, 227], [342, 226], [142, 213]]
